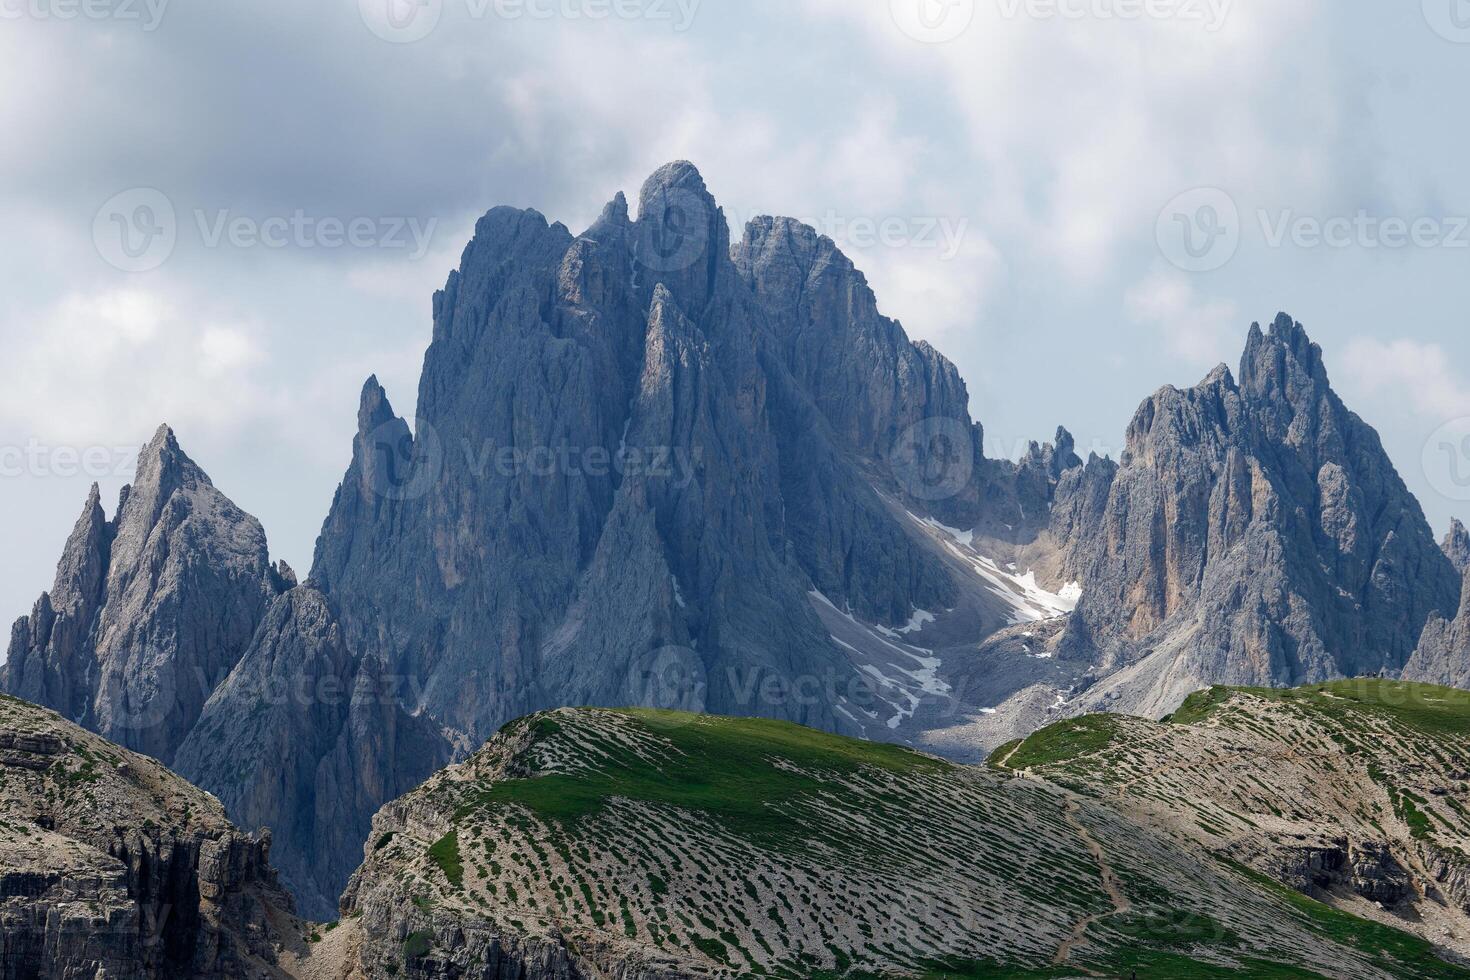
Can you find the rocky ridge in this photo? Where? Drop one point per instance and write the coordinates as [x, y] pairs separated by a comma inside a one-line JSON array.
[[111, 866], [1354, 792], [149, 611]]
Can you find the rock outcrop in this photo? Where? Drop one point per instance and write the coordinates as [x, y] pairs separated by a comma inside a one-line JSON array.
[[637, 446], [1457, 546], [111, 866], [149, 611]]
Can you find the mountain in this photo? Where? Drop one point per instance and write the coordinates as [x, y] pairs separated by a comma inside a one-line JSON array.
[[169, 632], [111, 866], [646, 844], [1254, 533], [309, 740], [1353, 792], [645, 467], [655, 466], [149, 611]]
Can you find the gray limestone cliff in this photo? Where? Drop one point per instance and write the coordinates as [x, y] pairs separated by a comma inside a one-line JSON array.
[[310, 741], [111, 866]]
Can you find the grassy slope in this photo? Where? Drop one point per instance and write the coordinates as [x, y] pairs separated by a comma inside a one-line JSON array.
[[749, 777], [1351, 710], [731, 769]]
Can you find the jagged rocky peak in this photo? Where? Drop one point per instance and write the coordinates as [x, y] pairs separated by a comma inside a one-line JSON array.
[[1457, 546], [681, 238], [1257, 533], [149, 610]]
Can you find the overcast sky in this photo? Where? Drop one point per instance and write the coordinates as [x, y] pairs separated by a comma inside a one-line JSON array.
[[225, 214]]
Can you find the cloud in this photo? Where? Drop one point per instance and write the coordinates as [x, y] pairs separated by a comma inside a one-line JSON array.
[[1196, 330], [106, 368], [1409, 372]]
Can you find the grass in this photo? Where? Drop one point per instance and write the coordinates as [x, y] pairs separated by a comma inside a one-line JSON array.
[[735, 770], [1064, 741], [445, 853], [1425, 707]]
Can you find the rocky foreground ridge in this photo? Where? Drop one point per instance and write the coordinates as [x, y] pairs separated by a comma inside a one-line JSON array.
[[113, 867], [1354, 792]]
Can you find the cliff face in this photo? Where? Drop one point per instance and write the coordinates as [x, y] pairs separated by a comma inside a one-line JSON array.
[[111, 866], [1253, 533], [149, 611], [309, 740]]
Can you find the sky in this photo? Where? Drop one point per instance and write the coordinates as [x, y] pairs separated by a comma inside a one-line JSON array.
[[225, 214]]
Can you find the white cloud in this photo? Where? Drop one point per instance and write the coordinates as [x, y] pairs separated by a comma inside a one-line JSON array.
[[1197, 330], [1409, 372], [105, 368]]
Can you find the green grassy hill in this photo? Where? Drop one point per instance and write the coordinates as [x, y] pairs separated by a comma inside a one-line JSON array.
[[670, 845]]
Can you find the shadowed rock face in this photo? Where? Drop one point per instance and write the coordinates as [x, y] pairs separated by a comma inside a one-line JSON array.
[[1256, 533], [310, 741], [149, 611]]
